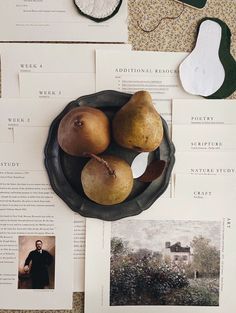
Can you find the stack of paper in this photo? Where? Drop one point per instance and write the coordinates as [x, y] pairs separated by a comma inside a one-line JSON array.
[[177, 255], [203, 134], [179, 238], [37, 82], [35, 90]]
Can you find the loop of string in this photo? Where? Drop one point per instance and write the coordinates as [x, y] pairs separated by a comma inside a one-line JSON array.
[[164, 18]]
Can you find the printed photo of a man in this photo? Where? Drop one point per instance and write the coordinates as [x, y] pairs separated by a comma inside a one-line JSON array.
[[36, 267]]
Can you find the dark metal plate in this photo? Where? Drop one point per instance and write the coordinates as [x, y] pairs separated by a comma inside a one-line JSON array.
[[64, 171]]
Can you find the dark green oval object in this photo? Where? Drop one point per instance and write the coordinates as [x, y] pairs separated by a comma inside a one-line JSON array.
[[227, 60], [199, 4], [98, 19]]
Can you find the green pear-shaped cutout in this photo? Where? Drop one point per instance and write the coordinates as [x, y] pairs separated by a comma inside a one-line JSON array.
[[202, 72]]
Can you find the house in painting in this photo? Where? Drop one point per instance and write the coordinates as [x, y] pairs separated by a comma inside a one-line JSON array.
[[176, 253]]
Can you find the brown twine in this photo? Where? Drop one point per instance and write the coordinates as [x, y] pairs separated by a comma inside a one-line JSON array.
[[164, 18]]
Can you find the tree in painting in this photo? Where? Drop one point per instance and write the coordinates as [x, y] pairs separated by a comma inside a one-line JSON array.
[[206, 258]]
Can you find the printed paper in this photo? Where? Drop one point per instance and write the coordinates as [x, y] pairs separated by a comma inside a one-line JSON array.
[[56, 85], [22, 125], [205, 187], [46, 58], [203, 112], [32, 213], [57, 20], [204, 138], [132, 71], [174, 257]]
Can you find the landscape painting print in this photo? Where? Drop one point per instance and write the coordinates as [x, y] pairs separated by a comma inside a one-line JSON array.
[[165, 263]]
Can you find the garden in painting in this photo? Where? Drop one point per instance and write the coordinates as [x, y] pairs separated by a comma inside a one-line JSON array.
[[165, 263]]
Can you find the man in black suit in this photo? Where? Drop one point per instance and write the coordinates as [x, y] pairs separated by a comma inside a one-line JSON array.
[[40, 260]]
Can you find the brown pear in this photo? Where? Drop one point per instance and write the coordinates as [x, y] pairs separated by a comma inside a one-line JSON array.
[[107, 180], [84, 130], [137, 125]]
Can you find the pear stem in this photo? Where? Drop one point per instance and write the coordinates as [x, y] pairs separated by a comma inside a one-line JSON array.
[[111, 172]]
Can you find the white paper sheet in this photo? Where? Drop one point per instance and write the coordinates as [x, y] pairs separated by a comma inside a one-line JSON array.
[[32, 212], [207, 187], [125, 251], [57, 20], [56, 85], [6, 135], [36, 138], [201, 112], [46, 58], [195, 138], [22, 124], [130, 71], [204, 164], [27, 112]]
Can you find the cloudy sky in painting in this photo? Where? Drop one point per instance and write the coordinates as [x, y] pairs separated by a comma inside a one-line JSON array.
[[153, 234]]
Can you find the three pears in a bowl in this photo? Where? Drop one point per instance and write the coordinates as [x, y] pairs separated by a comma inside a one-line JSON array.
[[85, 131]]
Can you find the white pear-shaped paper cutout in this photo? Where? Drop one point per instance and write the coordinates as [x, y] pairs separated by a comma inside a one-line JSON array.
[[98, 9], [202, 72], [139, 164]]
